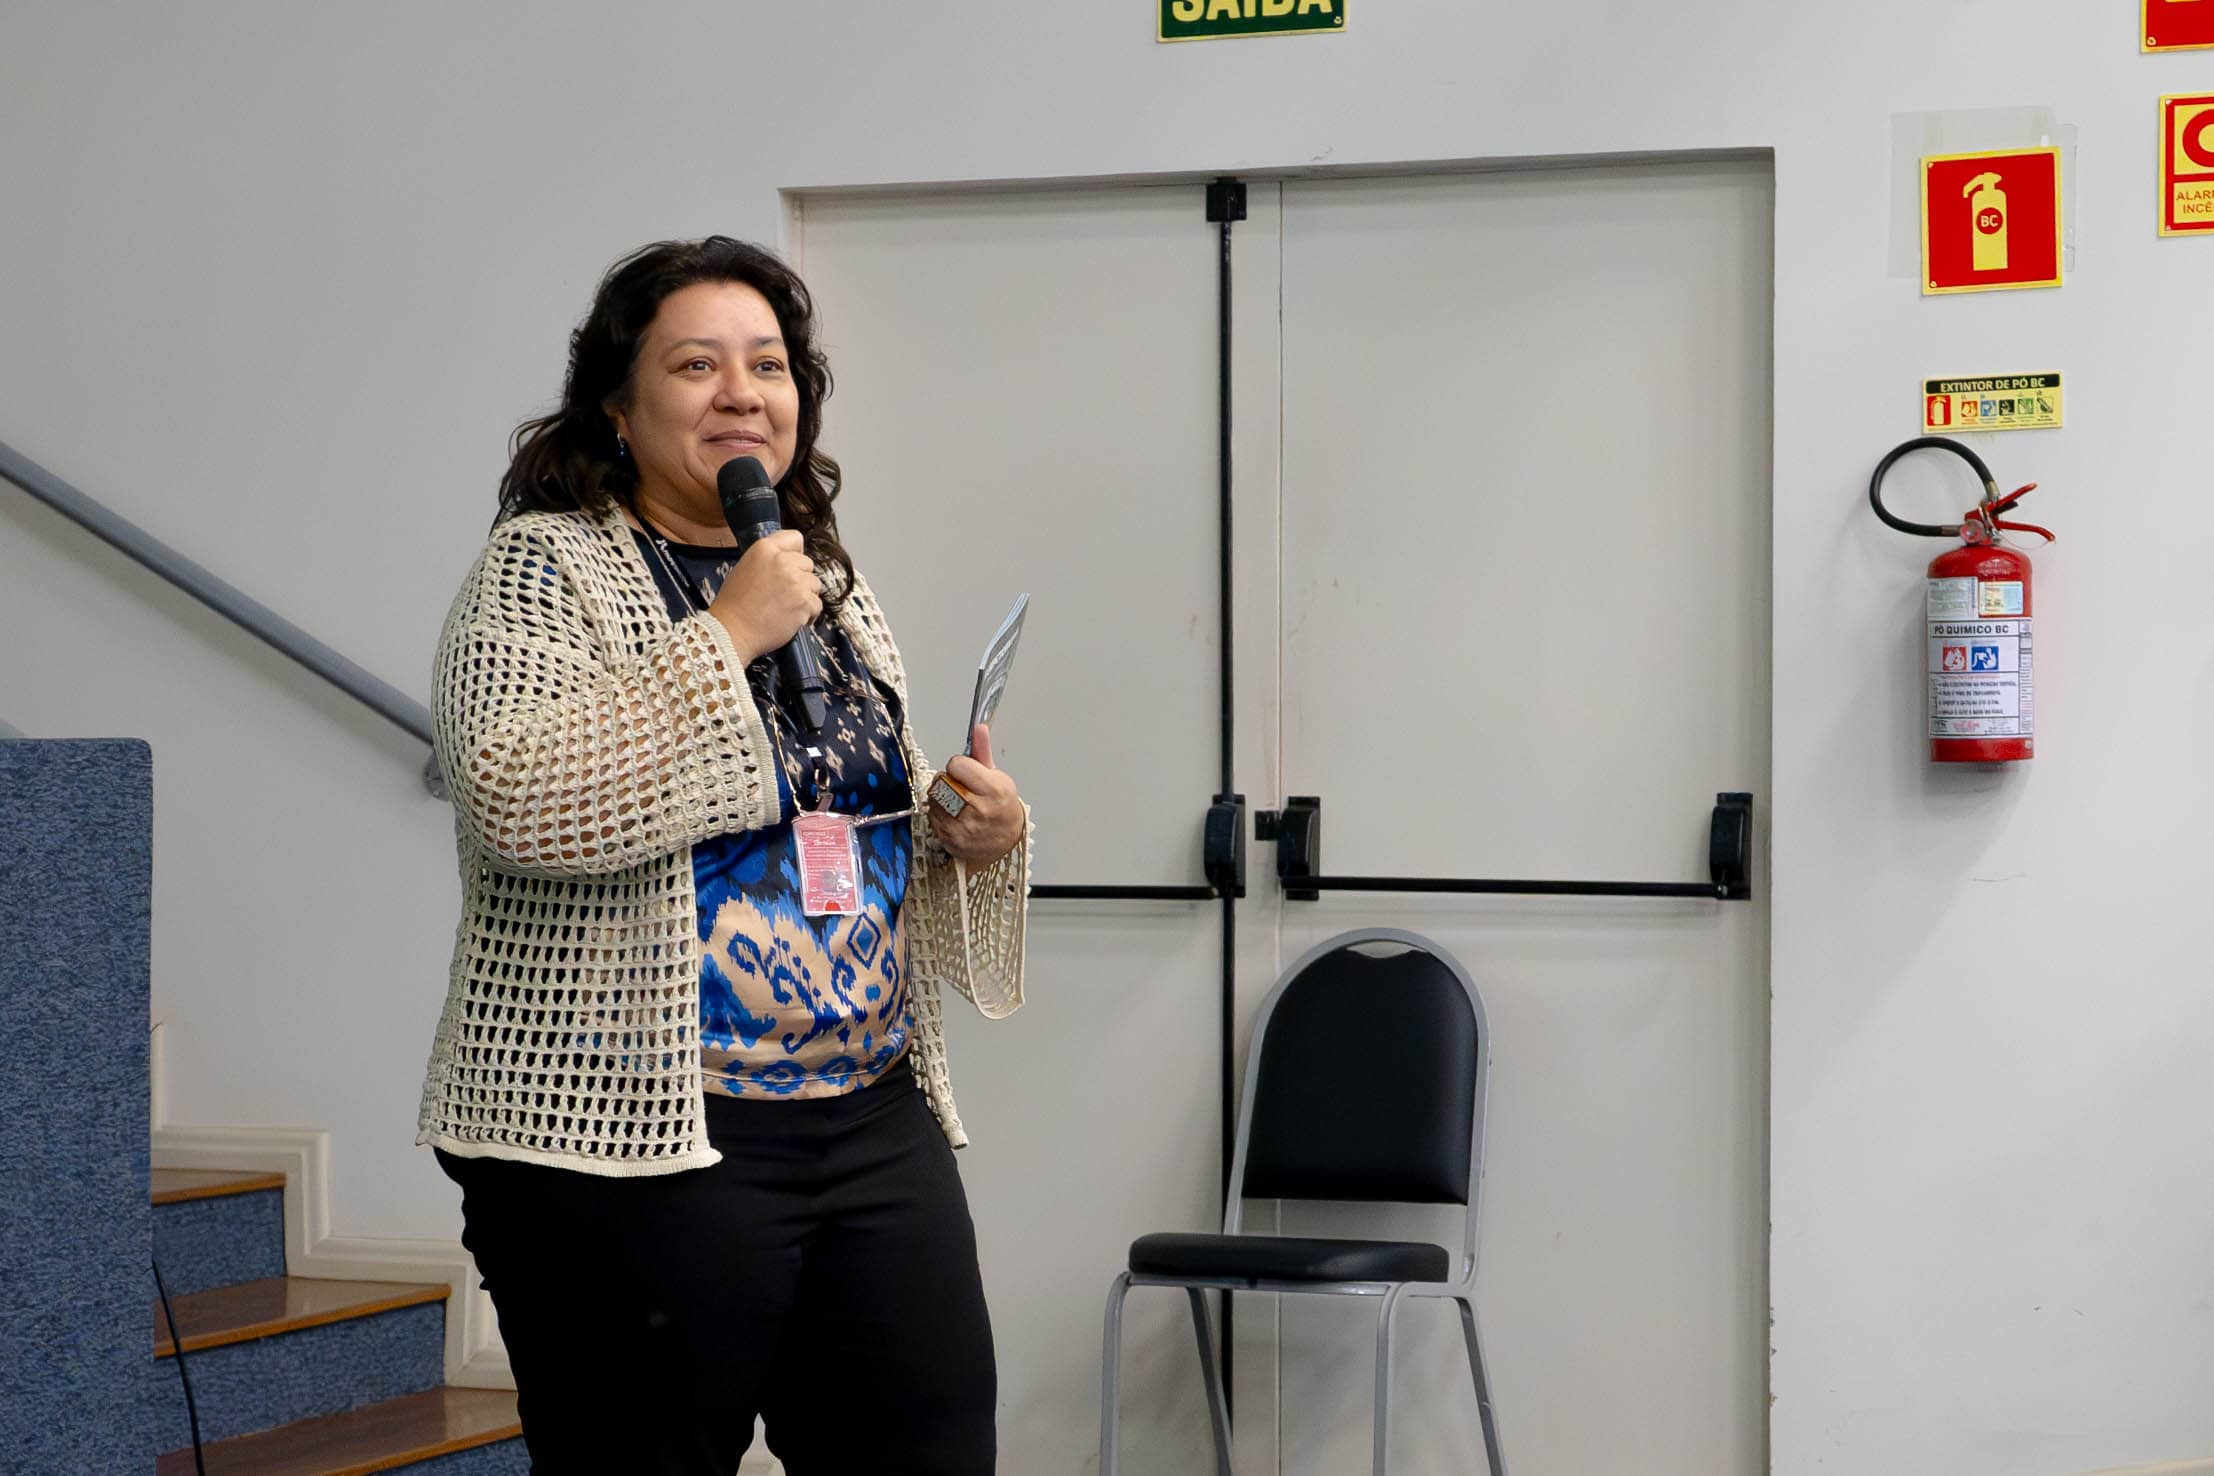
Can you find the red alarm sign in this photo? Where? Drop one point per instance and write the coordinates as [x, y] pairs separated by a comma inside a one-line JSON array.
[[2178, 25], [2187, 165], [1991, 220]]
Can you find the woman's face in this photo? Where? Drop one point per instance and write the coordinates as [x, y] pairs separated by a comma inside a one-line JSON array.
[[713, 381]]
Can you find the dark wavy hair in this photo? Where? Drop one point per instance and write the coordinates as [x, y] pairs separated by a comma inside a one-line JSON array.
[[567, 460]]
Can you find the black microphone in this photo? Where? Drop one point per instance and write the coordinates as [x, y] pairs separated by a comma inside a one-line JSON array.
[[750, 507]]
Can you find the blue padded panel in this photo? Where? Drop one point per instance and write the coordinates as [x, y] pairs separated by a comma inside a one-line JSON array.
[[76, 876]]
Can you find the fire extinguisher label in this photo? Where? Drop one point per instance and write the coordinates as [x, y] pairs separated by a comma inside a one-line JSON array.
[[1999, 597], [1979, 675], [1952, 599]]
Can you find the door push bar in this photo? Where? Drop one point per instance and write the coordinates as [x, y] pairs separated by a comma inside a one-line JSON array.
[[1222, 857], [1297, 832]]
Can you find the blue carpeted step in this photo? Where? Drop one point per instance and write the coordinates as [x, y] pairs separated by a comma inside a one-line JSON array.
[[214, 1229], [270, 1353]]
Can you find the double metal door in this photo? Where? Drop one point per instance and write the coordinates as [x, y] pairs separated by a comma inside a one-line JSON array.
[[1499, 597]]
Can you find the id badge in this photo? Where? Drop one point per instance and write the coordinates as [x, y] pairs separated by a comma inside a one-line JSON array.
[[830, 865]]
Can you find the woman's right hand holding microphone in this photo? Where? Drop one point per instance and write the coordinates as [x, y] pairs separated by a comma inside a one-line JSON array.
[[771, 596]]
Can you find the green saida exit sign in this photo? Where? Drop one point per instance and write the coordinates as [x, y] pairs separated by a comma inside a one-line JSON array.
[[1207, 20]]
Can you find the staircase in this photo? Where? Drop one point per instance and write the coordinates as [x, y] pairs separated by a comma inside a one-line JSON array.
[[296, 1376]]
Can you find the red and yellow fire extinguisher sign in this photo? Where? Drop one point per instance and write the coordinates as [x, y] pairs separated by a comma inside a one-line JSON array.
[[1982, 704]]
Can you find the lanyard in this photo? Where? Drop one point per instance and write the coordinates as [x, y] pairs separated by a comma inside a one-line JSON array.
[[700, 597]]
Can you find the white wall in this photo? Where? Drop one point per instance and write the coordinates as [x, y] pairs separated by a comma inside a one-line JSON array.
[[276, 280]]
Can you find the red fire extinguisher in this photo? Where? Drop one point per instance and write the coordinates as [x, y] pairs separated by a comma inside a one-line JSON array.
[[1982, 701]]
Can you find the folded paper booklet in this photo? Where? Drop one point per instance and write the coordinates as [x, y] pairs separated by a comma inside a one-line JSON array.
[[991, 685]]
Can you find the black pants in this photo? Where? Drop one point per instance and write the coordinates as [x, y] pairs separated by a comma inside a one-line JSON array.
[[823, 1275]]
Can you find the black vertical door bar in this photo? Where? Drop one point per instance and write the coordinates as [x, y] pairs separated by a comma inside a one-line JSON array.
[[1225, 207]]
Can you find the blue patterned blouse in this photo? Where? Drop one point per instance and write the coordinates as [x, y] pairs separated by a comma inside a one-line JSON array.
[[790, 1005]]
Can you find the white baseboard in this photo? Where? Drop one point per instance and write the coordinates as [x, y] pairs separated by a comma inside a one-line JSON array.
[[474, 1355], [2203, 1467]]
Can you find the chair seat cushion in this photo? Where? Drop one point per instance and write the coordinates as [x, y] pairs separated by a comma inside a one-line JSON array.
[[1285, 1258]]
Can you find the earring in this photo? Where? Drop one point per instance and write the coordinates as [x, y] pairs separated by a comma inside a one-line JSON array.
[[622, 448]]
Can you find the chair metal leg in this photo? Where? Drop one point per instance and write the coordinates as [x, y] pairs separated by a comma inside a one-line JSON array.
[[1110, 1373], [1218, 1413], [1492, 1457], [1385, 1320]]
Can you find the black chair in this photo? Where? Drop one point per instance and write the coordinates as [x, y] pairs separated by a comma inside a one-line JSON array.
[[1409, 1128]]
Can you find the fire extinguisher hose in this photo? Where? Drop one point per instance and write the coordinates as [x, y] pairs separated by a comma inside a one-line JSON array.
[[1934, 443], [1981, 523]]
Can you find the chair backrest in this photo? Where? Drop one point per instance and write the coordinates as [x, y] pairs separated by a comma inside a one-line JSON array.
[[1366, 1078]]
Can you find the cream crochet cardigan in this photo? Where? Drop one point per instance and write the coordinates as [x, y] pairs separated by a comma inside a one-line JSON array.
[[588, 743]]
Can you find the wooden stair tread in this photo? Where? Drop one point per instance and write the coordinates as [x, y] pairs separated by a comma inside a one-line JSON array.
[[376, 1437], [281, 1304], [176, 1186]]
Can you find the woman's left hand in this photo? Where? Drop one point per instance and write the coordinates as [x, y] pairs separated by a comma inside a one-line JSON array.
[[993, 820]]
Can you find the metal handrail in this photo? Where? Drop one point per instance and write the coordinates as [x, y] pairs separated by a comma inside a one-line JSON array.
[[226, 599]]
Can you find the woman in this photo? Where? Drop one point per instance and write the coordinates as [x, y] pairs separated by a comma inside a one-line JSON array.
[[676, 1073]]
